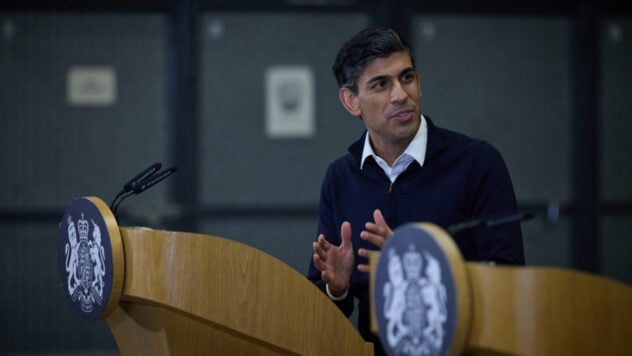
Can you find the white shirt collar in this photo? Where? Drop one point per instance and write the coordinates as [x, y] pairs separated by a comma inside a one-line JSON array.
[[416, 148]]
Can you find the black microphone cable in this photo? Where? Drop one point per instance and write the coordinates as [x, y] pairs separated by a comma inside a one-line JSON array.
[[488, 222]]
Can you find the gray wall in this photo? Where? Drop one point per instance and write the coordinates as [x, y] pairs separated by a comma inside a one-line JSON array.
[[505, 79], [52, 152]]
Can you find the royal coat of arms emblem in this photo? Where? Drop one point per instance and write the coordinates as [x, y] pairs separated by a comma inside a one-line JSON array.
[[85, 264], [85, 257], [414, 295], [414, 303]]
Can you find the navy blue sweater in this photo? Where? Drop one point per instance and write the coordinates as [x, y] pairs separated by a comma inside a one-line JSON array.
[[462, 178]]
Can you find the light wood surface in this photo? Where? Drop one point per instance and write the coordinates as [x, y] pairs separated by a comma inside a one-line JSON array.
[[188, 293], [118, 261], [534, 310], [548, 311]]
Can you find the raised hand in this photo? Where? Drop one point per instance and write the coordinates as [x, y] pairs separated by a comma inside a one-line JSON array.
[[377, 232], [335, 263]]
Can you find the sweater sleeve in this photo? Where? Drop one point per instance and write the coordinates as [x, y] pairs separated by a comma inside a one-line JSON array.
[[493, 195]]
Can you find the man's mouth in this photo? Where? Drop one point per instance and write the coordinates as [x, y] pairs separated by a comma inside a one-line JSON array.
[[402, 116]]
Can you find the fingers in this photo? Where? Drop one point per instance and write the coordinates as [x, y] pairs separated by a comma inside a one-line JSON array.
[[363, 268], [321, 246], [362, 252], [335, 262], [323, 243], [373, 235], [345, 233], [383, 227], [318, 262], [377, 232], [378, 218]]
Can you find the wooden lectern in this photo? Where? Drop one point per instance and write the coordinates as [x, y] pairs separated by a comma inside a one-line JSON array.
[[517, 310], [192, 294], [188, 294]]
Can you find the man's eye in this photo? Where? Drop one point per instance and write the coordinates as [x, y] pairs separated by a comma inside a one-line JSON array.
[[379, 85], [407, 78]]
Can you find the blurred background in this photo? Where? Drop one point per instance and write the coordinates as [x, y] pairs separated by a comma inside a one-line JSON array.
[[92, 92]]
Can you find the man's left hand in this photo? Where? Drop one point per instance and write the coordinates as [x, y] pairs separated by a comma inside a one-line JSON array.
[[377, 233]]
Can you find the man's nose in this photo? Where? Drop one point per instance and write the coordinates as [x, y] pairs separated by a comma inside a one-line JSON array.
[[398, 93]]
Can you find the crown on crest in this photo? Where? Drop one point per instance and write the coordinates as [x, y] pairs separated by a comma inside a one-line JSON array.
[[412, 263], [84, 228]]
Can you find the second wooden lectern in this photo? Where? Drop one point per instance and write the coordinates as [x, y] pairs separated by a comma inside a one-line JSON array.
[[427, 300]]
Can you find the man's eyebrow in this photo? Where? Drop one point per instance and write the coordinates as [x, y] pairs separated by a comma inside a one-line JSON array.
[[385, 77], [378, 78], [407, 70]]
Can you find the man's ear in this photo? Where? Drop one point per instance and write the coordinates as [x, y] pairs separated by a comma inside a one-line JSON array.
[[350, 101]]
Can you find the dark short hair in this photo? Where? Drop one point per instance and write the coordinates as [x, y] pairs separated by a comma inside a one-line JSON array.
[[366, 46]]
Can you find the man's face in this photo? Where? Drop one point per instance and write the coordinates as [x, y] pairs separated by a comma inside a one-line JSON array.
[[388, 100]]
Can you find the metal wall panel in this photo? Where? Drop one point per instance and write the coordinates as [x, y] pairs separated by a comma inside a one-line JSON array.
[[241, 166], [52, 151], [616, 110]]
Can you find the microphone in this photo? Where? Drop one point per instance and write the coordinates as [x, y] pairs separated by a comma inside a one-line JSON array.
[[141, 182], [141, 177], [129, 186], [153, 180], [489, 222]]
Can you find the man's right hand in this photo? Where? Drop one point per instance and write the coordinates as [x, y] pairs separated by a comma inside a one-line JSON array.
[[335, 263]]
